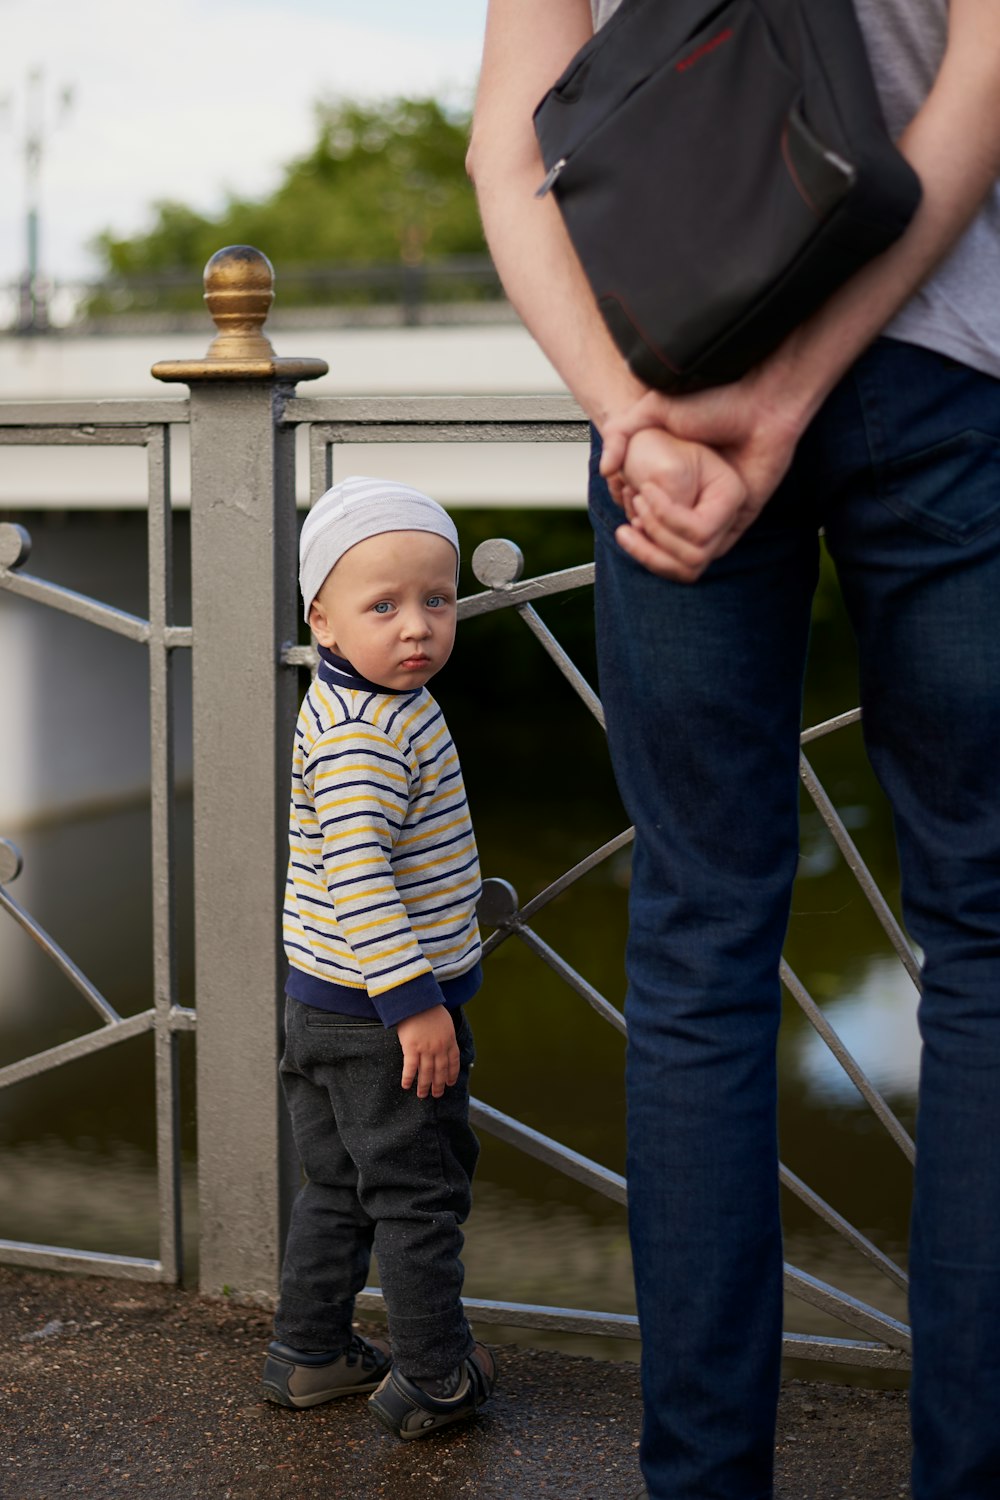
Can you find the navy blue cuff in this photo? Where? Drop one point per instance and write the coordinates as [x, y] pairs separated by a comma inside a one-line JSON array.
[[408, 999]]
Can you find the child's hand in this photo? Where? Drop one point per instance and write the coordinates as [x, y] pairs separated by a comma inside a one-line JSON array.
[[430, 1051]]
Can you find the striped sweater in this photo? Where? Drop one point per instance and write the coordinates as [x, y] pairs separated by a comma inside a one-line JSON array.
[[383, 874]]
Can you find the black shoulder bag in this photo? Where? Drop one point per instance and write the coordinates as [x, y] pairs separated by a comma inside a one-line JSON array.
[[721, 169]]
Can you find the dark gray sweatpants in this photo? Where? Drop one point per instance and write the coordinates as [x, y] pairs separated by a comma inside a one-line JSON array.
[[384, 1169]]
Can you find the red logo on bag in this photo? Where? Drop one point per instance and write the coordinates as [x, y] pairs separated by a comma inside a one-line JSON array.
[[703, 50]]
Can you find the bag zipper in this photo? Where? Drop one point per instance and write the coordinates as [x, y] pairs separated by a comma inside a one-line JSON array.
[[549, 180]]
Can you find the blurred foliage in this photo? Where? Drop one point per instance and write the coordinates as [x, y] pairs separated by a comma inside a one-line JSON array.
[[383, 186]]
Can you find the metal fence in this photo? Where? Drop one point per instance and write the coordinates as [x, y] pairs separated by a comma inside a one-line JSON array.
[[243, 415]]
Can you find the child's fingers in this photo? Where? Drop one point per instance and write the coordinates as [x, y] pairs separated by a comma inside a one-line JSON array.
[[411, 1067]]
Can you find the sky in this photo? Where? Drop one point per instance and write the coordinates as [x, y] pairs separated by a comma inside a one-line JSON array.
[[193, 99]]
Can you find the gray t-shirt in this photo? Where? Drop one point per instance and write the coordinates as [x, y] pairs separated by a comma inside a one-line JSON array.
[[957, 311]]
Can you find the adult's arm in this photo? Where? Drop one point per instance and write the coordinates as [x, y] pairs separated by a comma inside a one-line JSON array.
[[954, 145], [528, 44]]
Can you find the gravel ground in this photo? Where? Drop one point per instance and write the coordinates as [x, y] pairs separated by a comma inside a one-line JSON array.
[[113, 1388]]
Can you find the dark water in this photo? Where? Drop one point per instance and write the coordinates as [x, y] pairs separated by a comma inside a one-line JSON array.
[[78, 1142]]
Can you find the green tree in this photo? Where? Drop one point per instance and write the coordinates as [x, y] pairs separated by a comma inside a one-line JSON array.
[[383, 185]]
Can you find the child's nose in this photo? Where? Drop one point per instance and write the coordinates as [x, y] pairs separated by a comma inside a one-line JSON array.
[[416, 625]]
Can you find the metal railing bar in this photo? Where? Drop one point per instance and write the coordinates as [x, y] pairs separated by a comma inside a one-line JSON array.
[[178, 637], [530, 1315], [62, 960], [860, 870], [100, 413], [299, 656], [71, 603], [513, 594], [553, 1153], [183, 1019], [81, 1262], [626, 1326], [843, 1352], [87, 436], [567, 667], [851, 1067], [594, 998], [486, 430], [81, 1046], [846, 1230], [829, 726], [320, 460], [531, 412], [163, 857], [846, 1308]]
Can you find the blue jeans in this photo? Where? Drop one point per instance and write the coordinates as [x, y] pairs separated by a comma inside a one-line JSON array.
[[702, 685]]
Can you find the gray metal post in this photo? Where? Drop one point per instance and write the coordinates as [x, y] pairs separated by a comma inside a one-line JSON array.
[[243, 543]]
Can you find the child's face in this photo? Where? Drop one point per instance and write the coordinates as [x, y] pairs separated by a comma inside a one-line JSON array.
[[388, 606]]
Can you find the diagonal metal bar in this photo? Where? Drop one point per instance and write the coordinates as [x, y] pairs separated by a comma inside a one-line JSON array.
[[61, 960], [536, 904], [828, 726], [511, 595], [563, 661], [69, 602], [853, 1236], [576, 873], [847, 1308], [851, 1067], [81, 1046], [860, 870], [552, 1153], [576, 981]]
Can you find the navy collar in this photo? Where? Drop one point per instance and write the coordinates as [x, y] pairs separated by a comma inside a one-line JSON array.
[[337, 671]]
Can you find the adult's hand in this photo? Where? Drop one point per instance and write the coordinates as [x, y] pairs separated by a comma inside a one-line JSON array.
[[680, 497], [754, 433]]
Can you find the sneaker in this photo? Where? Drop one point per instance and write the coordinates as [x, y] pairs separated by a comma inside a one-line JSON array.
[[294, 1378], [408, 1412]]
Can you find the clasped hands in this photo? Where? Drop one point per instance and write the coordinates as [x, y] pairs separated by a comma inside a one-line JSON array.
[[692, 472]]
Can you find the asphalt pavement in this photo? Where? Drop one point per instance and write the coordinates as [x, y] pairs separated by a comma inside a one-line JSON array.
[[113, 1388]]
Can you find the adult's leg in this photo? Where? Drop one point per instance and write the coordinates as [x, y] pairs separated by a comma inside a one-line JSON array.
[[702, 687], [918, 549]]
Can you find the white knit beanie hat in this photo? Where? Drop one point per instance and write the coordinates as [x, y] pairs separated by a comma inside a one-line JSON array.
[[354, 510]]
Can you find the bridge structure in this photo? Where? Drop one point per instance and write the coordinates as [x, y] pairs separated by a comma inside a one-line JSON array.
[[248, 425]]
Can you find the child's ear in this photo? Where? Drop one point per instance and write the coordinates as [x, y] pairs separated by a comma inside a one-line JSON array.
[[320, 625]]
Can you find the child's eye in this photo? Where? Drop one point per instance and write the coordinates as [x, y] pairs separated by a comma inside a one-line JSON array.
[[382, 607], [436, 601]]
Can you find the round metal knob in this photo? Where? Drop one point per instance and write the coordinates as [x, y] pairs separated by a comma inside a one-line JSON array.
[[10, 861], [497, 563], [498, 904], [15, 545]]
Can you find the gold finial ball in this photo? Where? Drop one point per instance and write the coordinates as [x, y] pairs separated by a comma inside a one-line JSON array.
[[239, 290]]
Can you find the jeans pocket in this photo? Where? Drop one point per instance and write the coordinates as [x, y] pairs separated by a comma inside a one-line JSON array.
[[330, 1018], [950, 489]]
